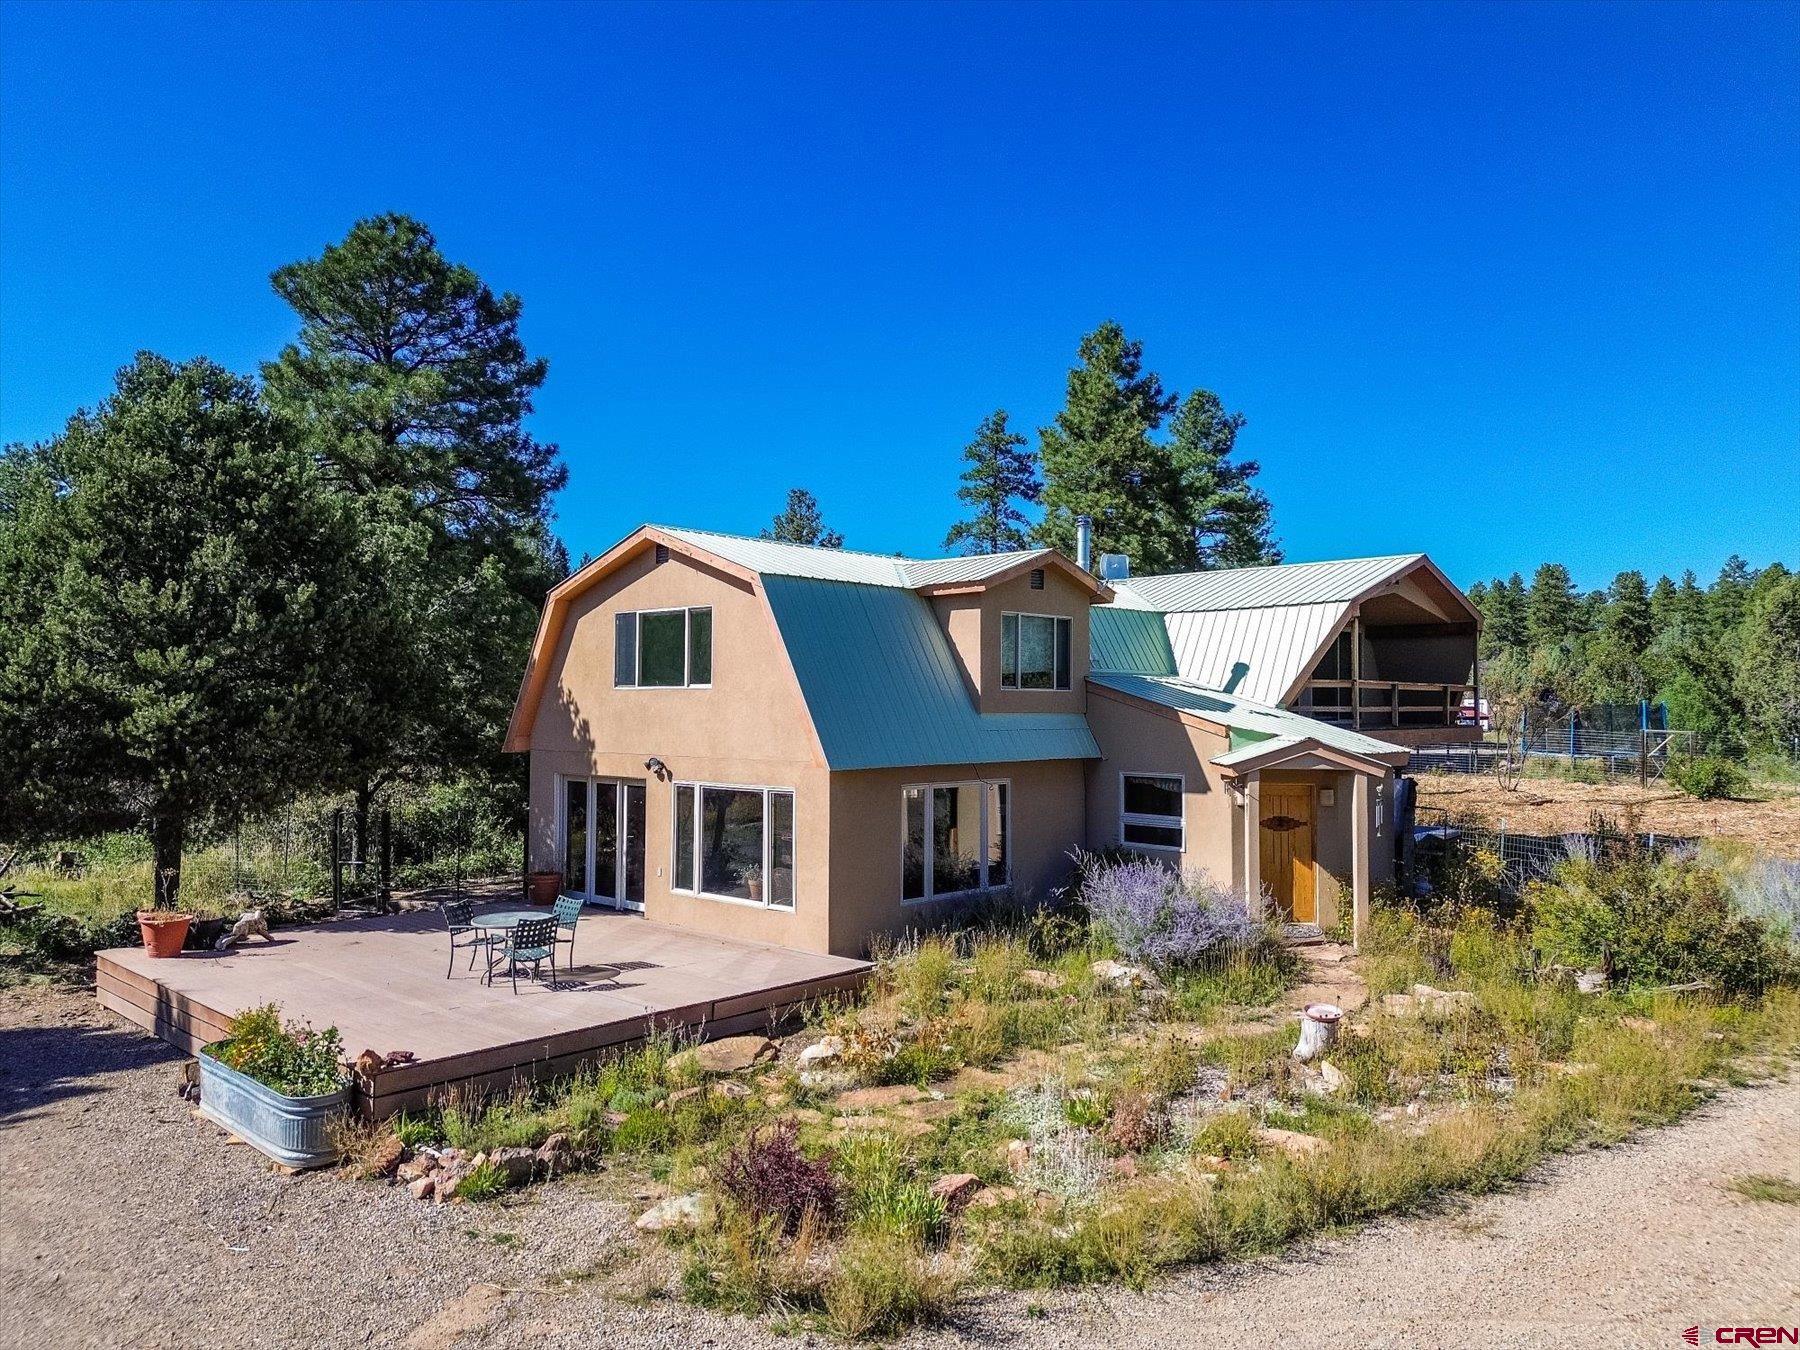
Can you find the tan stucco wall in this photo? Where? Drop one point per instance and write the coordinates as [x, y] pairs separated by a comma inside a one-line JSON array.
[[1047, 825], [972, 623], [749, 729]]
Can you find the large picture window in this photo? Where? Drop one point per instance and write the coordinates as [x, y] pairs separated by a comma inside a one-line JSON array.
[[735, 843], [1150, 810], [662, 648], [1034, 651], [954, 839]]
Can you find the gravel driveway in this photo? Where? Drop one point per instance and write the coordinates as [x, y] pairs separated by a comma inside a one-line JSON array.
[[123, 1222]]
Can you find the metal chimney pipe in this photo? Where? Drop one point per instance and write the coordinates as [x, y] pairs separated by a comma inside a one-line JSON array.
[[1084, 542]]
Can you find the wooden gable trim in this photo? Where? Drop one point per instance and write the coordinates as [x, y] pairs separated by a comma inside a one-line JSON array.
[[561, 597], [1308, 748], [1050, 560]]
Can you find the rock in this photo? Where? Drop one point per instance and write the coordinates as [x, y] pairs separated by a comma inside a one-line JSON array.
[[1333, 1077], [956, 1190], [990, 1196], [1400, 1005], [517, 1164], [368, 1064], [422, 1187], [736, 1091], [878, 1098], [412, 1171], [805, 1115], [446, 1185], [556, 1155], [734, 1054], [678, 1212], [1047, 980], [1590, 981], [676, 1098], [1018, 1155], [1121, 976], [910, 1129], [1442, 1001], [385, 1157], [825, 1050], [1291, 1142], [1643, 1024], [824, 1080], [613, 1119], [932, 1110]]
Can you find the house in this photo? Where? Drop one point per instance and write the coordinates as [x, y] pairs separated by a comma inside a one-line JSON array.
[[807, 747]]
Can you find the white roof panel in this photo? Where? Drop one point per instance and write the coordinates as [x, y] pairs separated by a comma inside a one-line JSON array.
[[1258, 653], [1260, 587]]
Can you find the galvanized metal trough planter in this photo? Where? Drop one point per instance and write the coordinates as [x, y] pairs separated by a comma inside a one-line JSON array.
[[294, 1131]]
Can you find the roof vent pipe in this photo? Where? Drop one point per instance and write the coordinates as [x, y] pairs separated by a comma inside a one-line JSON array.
[[1084, 542]]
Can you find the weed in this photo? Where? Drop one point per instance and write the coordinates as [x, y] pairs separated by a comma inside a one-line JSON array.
[[483, 1183], [884, 1284], [1771, 1189]]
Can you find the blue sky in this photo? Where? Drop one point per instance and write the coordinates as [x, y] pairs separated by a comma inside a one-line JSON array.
[[1503, 283]]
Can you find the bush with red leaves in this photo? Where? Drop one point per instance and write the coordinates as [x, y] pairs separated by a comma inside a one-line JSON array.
[[771, 1178]]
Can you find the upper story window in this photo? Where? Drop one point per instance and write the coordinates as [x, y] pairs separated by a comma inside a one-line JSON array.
[[662, 648], [1034, 651]]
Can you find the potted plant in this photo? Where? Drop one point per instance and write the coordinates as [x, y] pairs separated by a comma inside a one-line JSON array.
[[545, 886], [751, 875], [164, 931], [276, 1085]]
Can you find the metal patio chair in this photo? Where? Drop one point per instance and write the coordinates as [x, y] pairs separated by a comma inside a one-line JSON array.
[[530, 943], [459, 918], [567, 911]]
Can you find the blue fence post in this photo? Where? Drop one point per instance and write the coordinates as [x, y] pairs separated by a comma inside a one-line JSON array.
[[1643, 714], [1524, 734]]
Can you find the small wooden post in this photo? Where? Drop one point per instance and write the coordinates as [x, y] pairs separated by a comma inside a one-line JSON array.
[[1394, 705], [387, 855], [1359, 860], [337, 858], [1252, 789]]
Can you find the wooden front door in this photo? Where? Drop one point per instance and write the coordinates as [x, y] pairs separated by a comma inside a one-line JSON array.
[[1287, 850]]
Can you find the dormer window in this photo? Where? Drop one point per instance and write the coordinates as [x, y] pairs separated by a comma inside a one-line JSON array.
[[1034, 651]]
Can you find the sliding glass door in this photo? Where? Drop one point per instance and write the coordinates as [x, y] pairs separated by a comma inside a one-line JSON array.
[[603, 841]]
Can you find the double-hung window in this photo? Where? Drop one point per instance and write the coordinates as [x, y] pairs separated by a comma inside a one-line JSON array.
[[662, 648], [1034, 651], [1150, 811], [735, 843], [955, 839]]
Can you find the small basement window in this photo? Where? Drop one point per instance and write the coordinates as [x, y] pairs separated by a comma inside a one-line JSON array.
[[1150, 813]]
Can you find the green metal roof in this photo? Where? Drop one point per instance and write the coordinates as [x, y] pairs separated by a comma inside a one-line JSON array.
[[884, 688], [774, 559], [1310, 583], [1134, 640], [1239, 714]]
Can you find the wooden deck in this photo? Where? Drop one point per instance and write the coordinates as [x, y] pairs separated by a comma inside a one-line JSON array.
[[381, 982]]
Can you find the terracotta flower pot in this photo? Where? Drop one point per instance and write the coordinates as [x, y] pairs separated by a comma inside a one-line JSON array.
[[545, 887], [163, 933]]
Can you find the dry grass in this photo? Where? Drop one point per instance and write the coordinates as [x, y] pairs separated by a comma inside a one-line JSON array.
[[1547, 806]]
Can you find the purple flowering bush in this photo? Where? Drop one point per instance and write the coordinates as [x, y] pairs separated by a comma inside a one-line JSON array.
[[1156, 916]]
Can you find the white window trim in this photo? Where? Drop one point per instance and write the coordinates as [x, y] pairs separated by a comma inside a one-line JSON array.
[[613, 897], [931, 897], [1153, 822], [1018, 685], [768, 848], [687, 646]]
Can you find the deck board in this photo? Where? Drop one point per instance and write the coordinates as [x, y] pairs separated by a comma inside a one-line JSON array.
[[381, 982]]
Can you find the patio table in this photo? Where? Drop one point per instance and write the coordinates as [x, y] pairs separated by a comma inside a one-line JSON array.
[[504, 921]]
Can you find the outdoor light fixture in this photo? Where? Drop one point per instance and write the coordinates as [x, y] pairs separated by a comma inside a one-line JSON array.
[[1237, 793], [656, 766]]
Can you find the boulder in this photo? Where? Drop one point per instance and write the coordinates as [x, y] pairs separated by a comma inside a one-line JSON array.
[[556, 1155], [1442, 1001], [1121, 976], [1643, 1024], [733, 1054], [956, 1190], [1296, 1145], [1018, 1155], [990, 1196], [733, 1090], [825, 1050], [422, 1187], [677, 1097], [1047, 980], [678, 1212], [385, 1158], [409, 1172], [517, 1164], [824, 1080], [878, 1098]]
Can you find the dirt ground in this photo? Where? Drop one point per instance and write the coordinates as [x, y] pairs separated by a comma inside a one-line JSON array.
[[124, 1222], [1552, 806]]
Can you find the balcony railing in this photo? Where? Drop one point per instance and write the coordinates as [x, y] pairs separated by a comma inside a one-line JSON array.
[[1394, 704]]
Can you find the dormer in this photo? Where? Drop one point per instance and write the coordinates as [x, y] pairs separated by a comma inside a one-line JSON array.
[[1018, 625]]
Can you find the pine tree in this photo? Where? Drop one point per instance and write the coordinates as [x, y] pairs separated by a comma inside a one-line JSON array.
[[1626, 631], [1099, 459], [1552, 611], [206, 603], [800, 523], [1000, 473], [1663, 604], [1503, 616], [1729, 596], [1228, 514], [411, 384], [1768, 666]]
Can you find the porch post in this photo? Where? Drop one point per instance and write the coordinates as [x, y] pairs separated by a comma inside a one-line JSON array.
[[1359, 859], [1356, 668], [1253, 844]]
